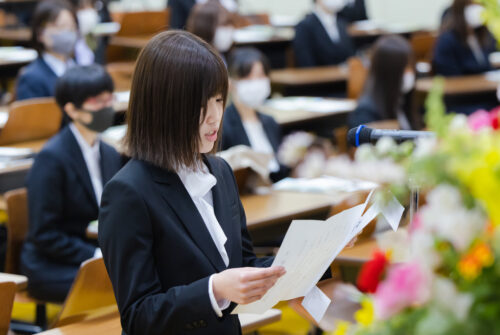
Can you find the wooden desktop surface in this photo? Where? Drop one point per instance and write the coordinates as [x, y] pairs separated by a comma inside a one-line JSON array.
[[22, 34], [360, 253], [309, 76], [470, 84], [20, 281], [109, 323]]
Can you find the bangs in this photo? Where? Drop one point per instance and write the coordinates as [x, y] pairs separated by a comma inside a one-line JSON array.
[[214, 83]]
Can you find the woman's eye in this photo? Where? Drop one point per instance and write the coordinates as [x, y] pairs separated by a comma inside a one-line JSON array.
[[220, 100]]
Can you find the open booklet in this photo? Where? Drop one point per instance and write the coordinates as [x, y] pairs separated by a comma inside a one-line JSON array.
[[310, 246]]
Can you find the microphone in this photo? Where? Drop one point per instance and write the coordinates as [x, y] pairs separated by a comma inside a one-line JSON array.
[[360, 135]]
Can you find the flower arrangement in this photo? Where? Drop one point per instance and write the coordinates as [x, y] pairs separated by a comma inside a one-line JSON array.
[[449, 283]]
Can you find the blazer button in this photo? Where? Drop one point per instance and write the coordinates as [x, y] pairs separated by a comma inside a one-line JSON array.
[[203, 324], [189, 326]]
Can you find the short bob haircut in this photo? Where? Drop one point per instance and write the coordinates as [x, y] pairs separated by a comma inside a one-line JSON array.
[[80, 83], [242, 60], [176, 75], [46, 12]]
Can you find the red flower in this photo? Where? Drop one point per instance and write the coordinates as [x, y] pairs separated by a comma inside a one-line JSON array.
[[372, 272], [495, 114]]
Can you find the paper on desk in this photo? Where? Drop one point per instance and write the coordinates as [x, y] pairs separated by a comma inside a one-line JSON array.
[[316, 303], [324, 184], [312, 104], [308, 248]]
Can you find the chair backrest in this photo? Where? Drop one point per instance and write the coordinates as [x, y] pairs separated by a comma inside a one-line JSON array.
[[144, 23], [422, 44], [17, 227], [357, 77], [7, 293], [91, 290], [30, 120], [121, 73], [384, 124]]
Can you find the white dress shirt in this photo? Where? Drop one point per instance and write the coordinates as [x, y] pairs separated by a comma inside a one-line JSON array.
[[92, 157], [199, 185], [56, 65], [476, 49], [259, 142], [329, 22]]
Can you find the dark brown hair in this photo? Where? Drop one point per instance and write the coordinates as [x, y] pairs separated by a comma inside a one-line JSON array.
[[176, 75], [455, 21], [391, 56], [241, 62], [205, 18], [46, 12]]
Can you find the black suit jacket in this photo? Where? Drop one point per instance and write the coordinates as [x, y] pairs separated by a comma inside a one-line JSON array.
[[179, 12], [233, 134], [160, 255], [314, 47], [355, 11], [37, 80], [62, 203], [454, 58], [365, 112]]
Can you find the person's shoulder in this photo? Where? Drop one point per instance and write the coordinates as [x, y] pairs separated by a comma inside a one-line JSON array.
[[307, 22], [55, 146], [447, 37], [267, 119], [133, 174], [37, 69], [219, 164]]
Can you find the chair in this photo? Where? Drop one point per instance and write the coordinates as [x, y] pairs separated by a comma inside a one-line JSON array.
[[422, 44], [32, 119], [357, 77], [17, 229], [91, 290], [7, 293]]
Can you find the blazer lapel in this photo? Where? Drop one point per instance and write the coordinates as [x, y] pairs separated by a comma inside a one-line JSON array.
[[75, 157], [108, 163], [176, 195]]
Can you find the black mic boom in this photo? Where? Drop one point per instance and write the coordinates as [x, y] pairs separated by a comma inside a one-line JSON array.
[[360, 135]]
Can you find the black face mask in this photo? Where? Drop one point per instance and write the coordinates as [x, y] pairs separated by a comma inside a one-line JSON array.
[[102, 119]]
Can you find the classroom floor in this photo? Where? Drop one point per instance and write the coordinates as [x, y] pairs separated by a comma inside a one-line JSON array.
[[291, 323]]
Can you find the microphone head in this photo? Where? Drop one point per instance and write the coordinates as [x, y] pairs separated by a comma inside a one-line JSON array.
[[359, 135]]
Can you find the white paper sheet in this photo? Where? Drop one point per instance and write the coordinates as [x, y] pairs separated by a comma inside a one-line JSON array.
[[392, 212], [316, 303]]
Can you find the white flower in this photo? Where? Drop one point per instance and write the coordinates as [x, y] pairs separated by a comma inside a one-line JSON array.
[[425, 146], [446, 196], [294, 147], [313, 165], [422, 249], [459, 123], [446, 296], [385, 146]]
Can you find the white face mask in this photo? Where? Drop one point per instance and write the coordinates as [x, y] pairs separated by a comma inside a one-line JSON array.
[[334, 6], [473, 15], [408, 82], [253, 92], [223, 39], [88, 19]]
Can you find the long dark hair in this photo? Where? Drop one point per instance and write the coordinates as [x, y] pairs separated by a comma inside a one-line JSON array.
[[391, 56], [204, 19], [176, 74], [455, 21]]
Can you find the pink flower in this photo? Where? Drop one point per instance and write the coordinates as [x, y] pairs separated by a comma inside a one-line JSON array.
[[479, 120], [406, 285]]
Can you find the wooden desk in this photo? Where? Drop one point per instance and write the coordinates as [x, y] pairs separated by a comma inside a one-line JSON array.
[[310, 76], [357, 255], [472, 84], [109, 324], [15, 34], [20, 281], [305, 111], [278, 207], [136, 42]]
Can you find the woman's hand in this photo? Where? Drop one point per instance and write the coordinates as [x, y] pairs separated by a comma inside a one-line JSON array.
[[245, 285]]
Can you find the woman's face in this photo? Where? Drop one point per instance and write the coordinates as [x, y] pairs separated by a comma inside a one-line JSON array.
[[209, 127]]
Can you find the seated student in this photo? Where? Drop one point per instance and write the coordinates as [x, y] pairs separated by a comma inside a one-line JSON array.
[[390, 78], [211, 22], [321, 38], [243, 124], [180, 10], [54, 36], [66, 182], [355, 10], [464, 43]]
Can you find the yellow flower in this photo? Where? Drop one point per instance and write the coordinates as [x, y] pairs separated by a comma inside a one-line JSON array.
[[469, 267], [342, 328], [483, 254], [366, 314]]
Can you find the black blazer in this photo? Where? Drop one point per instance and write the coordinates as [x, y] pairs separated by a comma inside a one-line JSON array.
[[365, 112], [314, 47], [37, 80], [355, 11], [179, 12], [233, 134], [61, 203], [454, 58], [160, 255]]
